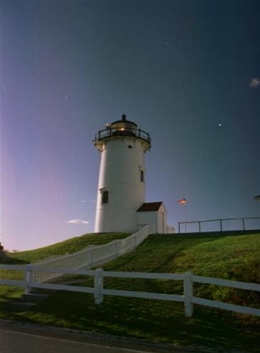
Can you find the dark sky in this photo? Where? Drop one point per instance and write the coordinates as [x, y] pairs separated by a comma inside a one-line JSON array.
[[187, 72]]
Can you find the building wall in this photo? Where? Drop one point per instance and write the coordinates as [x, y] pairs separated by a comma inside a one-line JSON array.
[[162, 220], [154, 217], [122, 160], [144, 218]]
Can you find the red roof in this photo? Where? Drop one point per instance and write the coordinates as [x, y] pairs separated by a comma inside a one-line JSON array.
[[150, 206]]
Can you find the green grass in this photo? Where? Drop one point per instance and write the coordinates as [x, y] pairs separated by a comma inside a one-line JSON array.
[[230, 257], [69, 246]]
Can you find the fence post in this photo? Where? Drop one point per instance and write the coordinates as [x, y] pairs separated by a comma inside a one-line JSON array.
[[221, 225], [90, 257], [188, 294], [98, 286], [28, 279], [243, 223], [117, 248]]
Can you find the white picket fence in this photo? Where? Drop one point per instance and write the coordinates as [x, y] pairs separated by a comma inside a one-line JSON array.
[[99, 291], [91, 256]]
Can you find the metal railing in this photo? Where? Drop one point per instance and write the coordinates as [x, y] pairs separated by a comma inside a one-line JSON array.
[[242, 223], [111, 132]]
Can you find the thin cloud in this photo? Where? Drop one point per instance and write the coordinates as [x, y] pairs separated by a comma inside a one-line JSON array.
[[88, 201], [254, 82], [77, 221], [4, 88]]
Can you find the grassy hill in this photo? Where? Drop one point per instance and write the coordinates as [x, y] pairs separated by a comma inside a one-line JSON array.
[[69, 246], [230, 257]]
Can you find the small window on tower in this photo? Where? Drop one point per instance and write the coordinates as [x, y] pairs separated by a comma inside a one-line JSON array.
[[141, 175], [104, 197]]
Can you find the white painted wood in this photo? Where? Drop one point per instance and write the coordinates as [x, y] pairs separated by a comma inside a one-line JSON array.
[[227, 283], [99, 291], [13, 267], [158, 217], [157, 296], [63, 270], [28, 279], [188, 294], [98, 286], [91, 256], [162, 220], [13, 282], [226, 306], [64, 287], [145, 275], [148, 217]]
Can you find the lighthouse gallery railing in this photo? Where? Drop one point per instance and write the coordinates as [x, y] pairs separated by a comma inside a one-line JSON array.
[[111, 132]]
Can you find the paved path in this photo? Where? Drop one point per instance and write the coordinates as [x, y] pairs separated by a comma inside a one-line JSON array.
[[13, 341], [19, 342]]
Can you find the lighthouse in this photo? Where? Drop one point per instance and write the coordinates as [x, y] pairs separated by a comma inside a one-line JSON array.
[[121, 185]]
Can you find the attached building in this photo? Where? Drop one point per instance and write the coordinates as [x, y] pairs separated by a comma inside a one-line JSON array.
[[153, 213]]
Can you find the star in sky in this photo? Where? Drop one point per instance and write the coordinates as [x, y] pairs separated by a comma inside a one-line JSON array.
[[254, 82]]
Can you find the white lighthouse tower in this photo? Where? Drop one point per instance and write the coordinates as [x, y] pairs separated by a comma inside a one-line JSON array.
[[121, 186]]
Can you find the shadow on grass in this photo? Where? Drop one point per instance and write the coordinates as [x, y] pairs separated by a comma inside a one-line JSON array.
[[153, 320], [8, 295], [14, 261]]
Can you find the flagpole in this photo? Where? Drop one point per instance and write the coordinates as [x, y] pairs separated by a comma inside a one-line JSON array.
[[184, 203], [185, 217]]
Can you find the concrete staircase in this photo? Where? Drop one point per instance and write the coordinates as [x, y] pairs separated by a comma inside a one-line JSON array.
[[38, 295], [28, 301]]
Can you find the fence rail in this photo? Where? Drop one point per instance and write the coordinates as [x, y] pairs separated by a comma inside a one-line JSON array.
[[91, 256], [243, 224], [99, 291]]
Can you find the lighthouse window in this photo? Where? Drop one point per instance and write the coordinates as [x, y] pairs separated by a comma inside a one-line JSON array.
[[104, 197], [141, 175]]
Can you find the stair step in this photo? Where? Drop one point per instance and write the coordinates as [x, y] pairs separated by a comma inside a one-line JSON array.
[[21, 306], [34, 297], [43, 291]]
